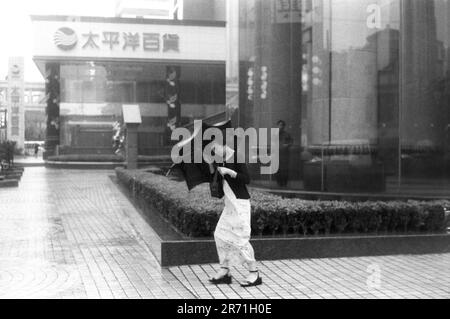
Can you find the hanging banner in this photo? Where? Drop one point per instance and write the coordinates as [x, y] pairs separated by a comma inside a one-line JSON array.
[[15, 101]]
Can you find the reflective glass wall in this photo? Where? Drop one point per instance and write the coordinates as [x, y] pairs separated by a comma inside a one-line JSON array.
[[425, 89], [359, 87], [92, 95]]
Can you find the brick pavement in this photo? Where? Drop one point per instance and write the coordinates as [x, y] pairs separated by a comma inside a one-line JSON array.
[[73, 234]]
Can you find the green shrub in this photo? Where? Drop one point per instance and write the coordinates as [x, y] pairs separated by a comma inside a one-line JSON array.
[[7, 151], [195, 213]]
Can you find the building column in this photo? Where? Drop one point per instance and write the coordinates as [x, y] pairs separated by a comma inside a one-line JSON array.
[[52, 91]]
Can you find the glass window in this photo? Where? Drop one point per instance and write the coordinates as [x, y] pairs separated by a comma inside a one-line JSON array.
[[361, 108], [425, 112], [360, 89], [92, 95]]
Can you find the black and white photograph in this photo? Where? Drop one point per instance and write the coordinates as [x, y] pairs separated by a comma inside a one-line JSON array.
[[224, 155]]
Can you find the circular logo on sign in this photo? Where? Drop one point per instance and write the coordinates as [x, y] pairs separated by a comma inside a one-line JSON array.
[[65, 38]]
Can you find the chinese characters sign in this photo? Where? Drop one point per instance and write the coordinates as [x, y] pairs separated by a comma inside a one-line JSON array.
[[15, 116], [117, 39], [114, 40], [15, 100]]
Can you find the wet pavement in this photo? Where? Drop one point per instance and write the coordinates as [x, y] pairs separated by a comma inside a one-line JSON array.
[[73, 234]]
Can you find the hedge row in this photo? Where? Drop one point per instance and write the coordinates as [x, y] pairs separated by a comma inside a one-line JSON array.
[[195, 213], [103, 158]]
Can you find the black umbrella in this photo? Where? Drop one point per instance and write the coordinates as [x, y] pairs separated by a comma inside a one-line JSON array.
[[197, 173]]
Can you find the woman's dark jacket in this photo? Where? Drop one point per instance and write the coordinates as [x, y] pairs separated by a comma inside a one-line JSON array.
[[237, 184]]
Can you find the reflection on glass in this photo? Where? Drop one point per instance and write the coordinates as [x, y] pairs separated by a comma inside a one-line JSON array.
[[92, 95], [362, 97], [425, 115], [363, 87]]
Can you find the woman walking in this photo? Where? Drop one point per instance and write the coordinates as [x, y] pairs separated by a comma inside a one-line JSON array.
[[232, 234]]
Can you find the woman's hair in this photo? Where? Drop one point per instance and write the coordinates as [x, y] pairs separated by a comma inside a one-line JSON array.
[[171, 70], [282, 122]]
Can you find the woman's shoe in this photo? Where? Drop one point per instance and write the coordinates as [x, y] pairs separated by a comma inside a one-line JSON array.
[[225, 280], [257, 282]]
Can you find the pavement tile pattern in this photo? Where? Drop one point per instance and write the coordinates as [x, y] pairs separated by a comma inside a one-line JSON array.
[[73, 234]]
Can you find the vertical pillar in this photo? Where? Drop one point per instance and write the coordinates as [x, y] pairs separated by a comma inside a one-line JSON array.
[[132, 146], [52, 91], [232, 62]]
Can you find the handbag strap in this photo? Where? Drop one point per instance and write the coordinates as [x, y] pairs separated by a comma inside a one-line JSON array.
[[216, 172], [215, 177]]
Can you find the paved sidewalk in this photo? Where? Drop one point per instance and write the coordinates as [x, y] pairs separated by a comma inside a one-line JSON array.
[[73, 234]]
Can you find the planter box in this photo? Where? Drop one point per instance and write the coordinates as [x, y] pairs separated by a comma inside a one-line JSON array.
[[9, 183], [12, 173], [172, 248], [83, 165], [341, 176], [185, 252], [12, 176]]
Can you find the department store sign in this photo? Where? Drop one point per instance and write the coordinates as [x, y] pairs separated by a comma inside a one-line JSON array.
[[67, 39], [120, 40]]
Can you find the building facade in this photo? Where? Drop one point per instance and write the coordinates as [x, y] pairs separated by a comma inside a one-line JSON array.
[[173, 69], [363, 87], [22, 107], [13, 100], [35, 118]]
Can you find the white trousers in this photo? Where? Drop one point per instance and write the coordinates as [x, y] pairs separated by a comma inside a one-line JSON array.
[[232, 234]]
